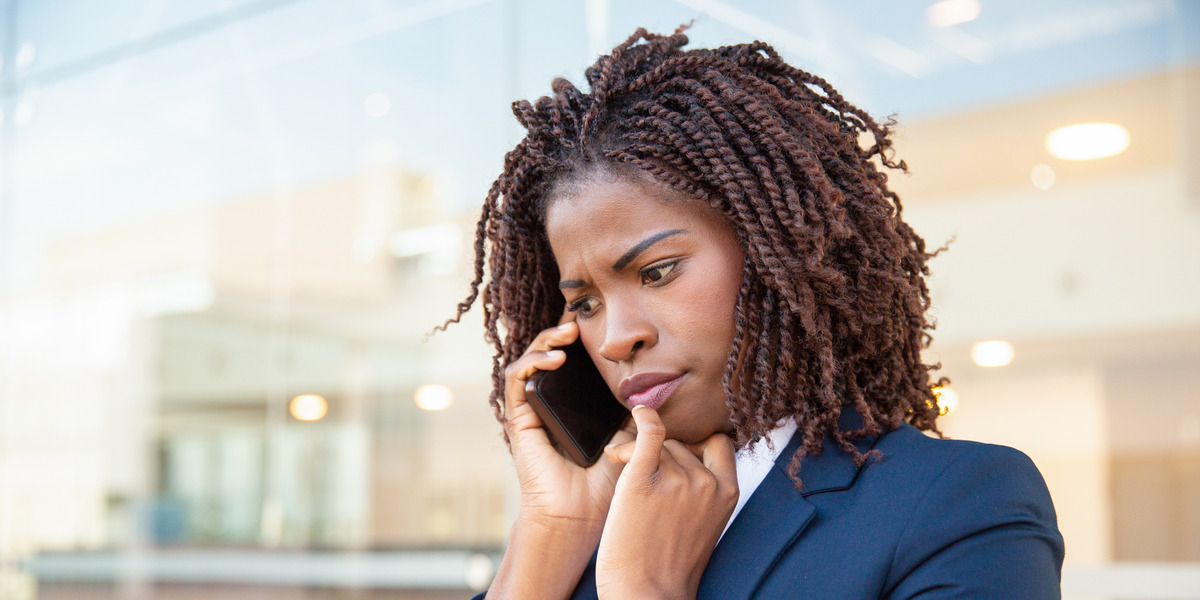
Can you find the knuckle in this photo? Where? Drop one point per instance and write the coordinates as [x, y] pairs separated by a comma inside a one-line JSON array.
[[543, 337], [730, 495], [513, 371], [672, 485]]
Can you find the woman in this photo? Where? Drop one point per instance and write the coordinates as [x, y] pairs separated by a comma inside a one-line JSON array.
[[708, 224]]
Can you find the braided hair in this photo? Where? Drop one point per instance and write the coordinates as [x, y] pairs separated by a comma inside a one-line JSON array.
[[831, 310]]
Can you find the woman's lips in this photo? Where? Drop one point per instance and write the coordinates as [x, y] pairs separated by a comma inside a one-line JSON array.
[[649, 389]]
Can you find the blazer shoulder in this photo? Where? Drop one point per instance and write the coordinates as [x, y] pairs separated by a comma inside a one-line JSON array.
[[936, 471], [920, 457], [980, 513]]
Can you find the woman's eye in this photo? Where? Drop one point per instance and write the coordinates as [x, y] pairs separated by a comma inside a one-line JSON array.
[[657, 273], [584, 306]]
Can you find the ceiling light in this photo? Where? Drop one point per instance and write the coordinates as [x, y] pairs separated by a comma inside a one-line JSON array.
[[1086, 141], [952, 12], [433, 397], [1043, 177], [947, 399], [308, 407], [993, 353]]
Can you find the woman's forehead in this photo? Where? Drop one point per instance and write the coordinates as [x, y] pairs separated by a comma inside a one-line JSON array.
[[620, 205]]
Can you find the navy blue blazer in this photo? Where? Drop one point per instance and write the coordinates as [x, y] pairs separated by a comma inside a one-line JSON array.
[[932, 519]]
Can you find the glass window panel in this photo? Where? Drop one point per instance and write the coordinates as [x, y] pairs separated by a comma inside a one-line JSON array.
[[210, 209]]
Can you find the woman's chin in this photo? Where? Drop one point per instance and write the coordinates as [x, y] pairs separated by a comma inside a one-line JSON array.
[[688, 435]]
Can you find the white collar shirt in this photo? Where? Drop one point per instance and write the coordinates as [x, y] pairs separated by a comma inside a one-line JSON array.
[[756, 460]]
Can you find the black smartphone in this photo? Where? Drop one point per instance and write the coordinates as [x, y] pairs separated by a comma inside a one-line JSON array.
[[576, 406]]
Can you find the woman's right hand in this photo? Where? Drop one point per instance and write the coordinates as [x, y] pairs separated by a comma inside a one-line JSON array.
[[563, 505], [554, 489]]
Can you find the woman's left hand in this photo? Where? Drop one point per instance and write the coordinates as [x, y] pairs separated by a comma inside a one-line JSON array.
[[671, 504]]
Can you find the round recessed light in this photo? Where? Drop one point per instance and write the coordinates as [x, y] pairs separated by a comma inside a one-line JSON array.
[[1043, 177], [1087, 141], [308, 407], [947, 399], [433, 397], [992, 353]]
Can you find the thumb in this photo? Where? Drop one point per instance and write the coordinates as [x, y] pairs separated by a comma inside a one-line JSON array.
[[647, 448]]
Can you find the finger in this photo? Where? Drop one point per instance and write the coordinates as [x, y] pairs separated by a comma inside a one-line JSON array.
[[647, 450], [538, 360], [682, 454], [554, 337], [620, 453], [719, 457], [517, 377]]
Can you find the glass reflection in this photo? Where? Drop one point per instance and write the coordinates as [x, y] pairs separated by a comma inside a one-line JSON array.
[[209, 209]]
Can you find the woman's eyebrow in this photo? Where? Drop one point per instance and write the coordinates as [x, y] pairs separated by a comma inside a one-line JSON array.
[[626, 258], [641, 246]]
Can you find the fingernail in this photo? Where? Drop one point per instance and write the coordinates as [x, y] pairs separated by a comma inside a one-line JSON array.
[[635, 408], [566, 325], [555, 353]]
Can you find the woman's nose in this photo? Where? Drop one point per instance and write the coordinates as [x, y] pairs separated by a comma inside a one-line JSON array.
[[626, 331]]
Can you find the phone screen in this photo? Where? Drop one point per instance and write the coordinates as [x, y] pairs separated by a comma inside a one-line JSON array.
[[576, 406]]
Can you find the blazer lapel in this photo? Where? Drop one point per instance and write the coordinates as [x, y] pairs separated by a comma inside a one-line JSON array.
[[775, 516], [770, 522]]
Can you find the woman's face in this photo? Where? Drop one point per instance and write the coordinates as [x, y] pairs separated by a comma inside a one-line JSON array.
[[651, 276]]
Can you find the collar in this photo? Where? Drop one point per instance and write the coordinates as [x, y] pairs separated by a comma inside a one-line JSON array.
[[755, 462], [777, 514]]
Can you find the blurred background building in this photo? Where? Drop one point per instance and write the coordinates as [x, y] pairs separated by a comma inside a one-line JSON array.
[[226, 226]]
